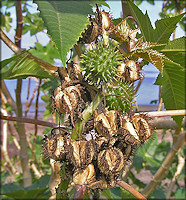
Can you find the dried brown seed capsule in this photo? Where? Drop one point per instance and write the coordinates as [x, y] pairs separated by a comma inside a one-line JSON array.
[[54, 146], [74, 71], [129, 71], [106, 123], [128, 131], [142, 126], [66, 100], [132, 71], [84, 176], [106, 20], [110, 161], [80, 153]]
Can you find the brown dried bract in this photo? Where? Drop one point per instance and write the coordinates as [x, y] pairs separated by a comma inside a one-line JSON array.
[[84, 176], [54, 146], [110, 161], [105, 123], [142, 126], [129, 71], [80, 153]]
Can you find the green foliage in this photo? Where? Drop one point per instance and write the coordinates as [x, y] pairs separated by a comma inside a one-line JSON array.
[[173, 90], [32, 23], [5, 21], [175, 50], [100, 64], [116, 193], [22, 66], [46, 53], [65, 20], [164, 27], [38, 190]]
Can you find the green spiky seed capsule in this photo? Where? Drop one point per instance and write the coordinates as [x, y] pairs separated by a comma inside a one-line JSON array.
[[100, 64]]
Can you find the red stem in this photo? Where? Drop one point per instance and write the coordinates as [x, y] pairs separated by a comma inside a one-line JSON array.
[[130, 189]]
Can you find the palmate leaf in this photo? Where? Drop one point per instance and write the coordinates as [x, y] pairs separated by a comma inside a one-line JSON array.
[[164, 27], [175, 50], [65, 20], [24, 65], [173, 87]]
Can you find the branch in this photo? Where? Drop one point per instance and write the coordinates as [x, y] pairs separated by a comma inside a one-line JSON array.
[[20, 21], [36, 115], [24, 157], [155, 123], [180, 166], [9, 43], [130, 189], [30, 121], [8, 96], [166, 113], [161, 173]]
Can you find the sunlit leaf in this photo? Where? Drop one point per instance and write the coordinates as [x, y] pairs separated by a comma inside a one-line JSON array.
[[173, 88], [164, 27], [46, 53], [24, 65], [175, 50], [65, 21]]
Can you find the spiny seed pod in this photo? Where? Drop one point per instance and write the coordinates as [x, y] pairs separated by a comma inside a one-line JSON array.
[[54, 146], [129, 71], [84, 176], [100, 64], [142, 126], [110, 161], [80, 153], [66, 100], [106, 123]]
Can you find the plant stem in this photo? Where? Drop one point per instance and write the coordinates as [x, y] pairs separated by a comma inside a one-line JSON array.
[[166, 113], [9, 43], [8, 96], [155, 123], [161, 173], [30, 121], [180, 166], [86, 115], [130, 189], [36, 115], [27, 178]]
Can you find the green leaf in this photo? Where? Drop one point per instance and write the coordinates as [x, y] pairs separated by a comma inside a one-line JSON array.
[[180, 193], [32, 23], [147, 151], [143, 22], [173, 88], [175, 50], [65, 20], [165, 27], [24, 65], [5, 21], [36, 191], [47, 53]]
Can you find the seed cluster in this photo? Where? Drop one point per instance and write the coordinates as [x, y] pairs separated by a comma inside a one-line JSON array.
[[105, 146], [98, 162]]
